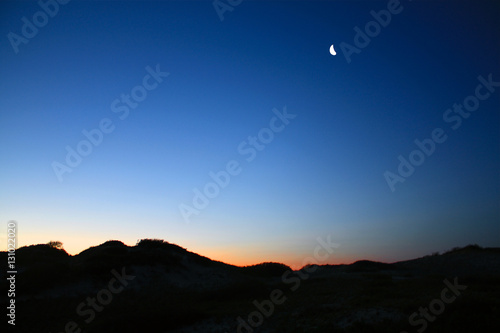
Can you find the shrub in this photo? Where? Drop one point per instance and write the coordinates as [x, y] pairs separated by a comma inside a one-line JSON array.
[[267, 269], [55, 244], [150, 242]]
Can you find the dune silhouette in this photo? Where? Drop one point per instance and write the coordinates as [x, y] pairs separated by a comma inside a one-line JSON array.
[[156, 285]]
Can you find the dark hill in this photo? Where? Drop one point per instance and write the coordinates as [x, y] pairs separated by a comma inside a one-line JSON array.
[[162, 287], [368, 266], [467, 261], [266, 269]]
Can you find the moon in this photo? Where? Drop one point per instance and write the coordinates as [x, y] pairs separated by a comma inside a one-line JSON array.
[[332, 50]]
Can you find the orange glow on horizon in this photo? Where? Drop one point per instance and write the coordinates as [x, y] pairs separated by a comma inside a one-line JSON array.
[[295, 261], [75, 244]]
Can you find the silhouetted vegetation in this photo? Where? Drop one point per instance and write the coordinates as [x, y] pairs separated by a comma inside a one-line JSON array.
[[267, 269], [151, 242], [470, 247], [55, 244]]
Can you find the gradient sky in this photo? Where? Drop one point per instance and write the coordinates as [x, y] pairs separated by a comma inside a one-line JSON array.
[[322, 175]]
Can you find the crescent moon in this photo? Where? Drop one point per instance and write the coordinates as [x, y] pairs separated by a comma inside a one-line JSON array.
[[332, 50]]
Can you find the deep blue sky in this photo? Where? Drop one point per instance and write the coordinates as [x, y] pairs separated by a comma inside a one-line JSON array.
[[323, 174]]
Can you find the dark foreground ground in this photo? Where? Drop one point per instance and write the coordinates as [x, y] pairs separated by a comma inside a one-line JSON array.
[[160, 287]]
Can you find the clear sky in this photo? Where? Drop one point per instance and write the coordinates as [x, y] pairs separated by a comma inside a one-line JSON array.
[[311, 140]]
